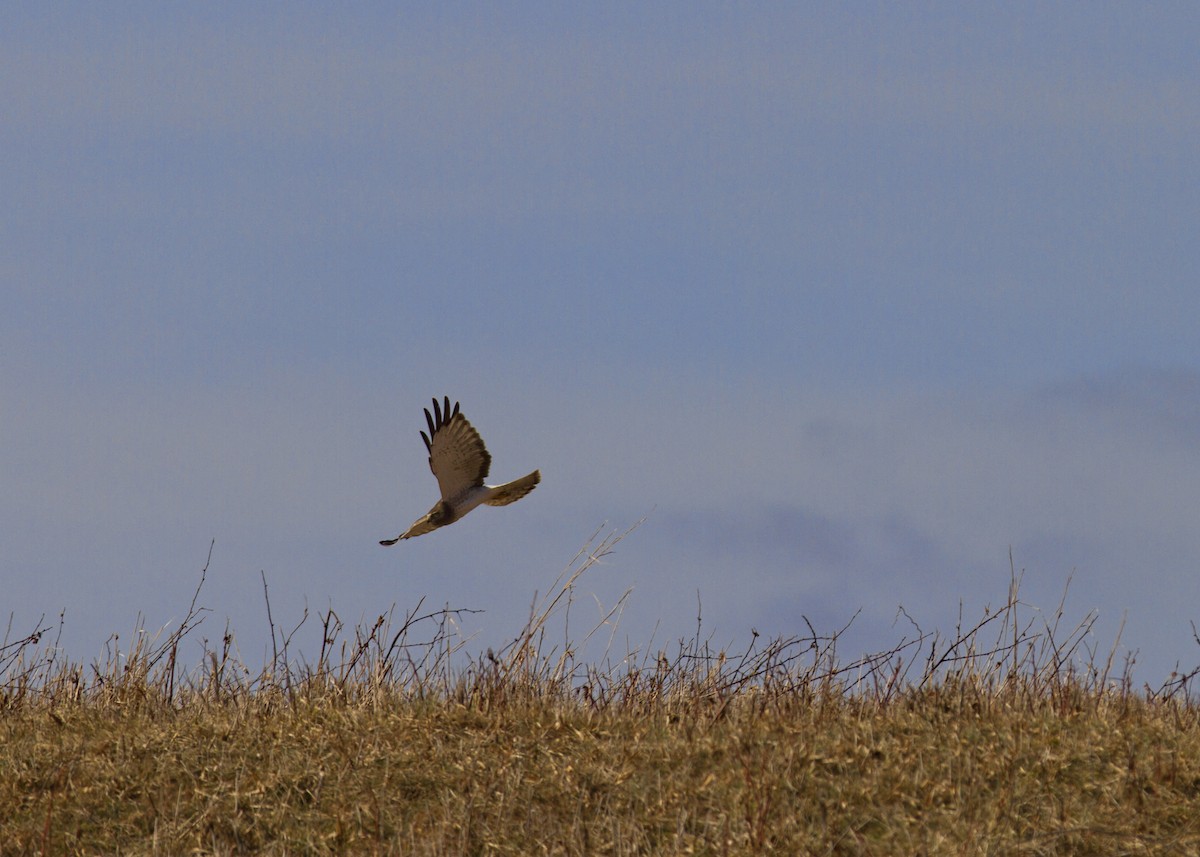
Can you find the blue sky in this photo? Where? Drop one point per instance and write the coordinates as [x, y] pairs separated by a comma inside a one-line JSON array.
[[847, 301]]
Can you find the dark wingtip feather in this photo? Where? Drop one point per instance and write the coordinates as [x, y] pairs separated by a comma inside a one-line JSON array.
[[442, 414], [428, 443]]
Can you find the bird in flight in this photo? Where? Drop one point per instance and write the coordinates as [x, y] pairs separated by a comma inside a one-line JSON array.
[[460, 462]]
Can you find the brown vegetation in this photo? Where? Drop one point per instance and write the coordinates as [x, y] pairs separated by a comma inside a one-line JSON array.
[[1008, 738]]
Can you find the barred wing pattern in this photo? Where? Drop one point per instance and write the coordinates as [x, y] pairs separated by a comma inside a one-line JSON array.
[[460, 462], [457, 456]]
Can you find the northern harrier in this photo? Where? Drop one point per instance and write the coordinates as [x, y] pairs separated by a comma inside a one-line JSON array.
[[460, 462]]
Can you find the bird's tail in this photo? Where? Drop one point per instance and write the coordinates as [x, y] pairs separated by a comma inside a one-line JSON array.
[[510, 492]]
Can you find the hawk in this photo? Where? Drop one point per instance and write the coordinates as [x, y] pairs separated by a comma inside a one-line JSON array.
[[460, 462]]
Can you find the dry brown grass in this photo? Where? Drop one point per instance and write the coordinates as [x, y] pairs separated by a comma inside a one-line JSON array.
[[1007, 737]]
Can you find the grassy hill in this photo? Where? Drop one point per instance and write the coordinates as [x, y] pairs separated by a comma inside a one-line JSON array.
[[997, 740]]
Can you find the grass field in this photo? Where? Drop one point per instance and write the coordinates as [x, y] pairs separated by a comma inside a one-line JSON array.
[[1006, 737]]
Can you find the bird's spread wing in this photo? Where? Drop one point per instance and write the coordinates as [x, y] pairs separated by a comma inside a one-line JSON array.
[[457, 455]]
